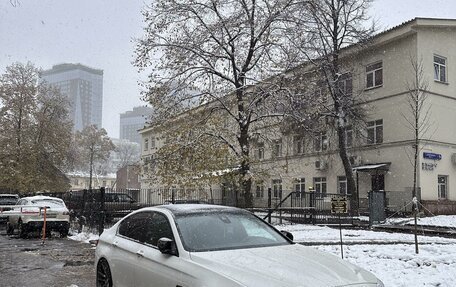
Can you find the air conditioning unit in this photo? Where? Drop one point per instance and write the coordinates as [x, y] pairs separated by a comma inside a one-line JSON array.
[[355, 160], [320, 165]]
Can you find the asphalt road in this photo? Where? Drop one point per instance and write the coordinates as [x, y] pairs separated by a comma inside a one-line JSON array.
[[59, 262]]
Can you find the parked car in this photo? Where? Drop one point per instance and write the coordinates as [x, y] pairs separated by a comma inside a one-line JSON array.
[[206, 245], [6, 201], [28, 215], [86, 202]]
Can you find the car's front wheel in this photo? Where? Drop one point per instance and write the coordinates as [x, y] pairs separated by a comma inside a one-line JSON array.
[[104, 278], [9, 229]]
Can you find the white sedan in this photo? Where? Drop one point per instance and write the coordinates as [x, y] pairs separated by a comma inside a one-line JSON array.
[[213, 246], [28, 215]]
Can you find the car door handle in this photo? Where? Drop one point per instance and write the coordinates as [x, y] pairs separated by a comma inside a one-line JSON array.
[[140, 253]]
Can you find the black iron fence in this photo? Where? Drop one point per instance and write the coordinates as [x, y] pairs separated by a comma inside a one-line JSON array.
[[306, 207]]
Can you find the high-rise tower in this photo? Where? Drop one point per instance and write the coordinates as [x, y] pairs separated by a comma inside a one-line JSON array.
[[84, 88]]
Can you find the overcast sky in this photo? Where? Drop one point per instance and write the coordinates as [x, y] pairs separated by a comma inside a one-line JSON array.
[[99, 33]]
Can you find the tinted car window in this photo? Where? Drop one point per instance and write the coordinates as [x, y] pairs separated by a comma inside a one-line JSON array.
[[135, 225], [146, 227]]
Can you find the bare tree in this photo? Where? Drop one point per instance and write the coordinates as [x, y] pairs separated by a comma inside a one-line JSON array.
[[208, 51], [95, 147], [128, 152], [417, 120], [333, 26]]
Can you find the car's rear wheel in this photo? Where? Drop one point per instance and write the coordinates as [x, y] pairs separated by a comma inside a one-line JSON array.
[[104, 278], [22, 229], [64, 232]]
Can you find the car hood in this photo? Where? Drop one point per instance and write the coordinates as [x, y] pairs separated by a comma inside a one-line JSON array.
[[280, 266]]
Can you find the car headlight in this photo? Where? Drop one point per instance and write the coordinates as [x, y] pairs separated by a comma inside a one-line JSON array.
[[380, 283]]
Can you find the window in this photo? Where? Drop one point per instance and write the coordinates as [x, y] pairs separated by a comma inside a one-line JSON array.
[[277, 188], [277, 148], [298, 145], [259, 190], [259, 153], [348, 136], [345, 84], [300, 186], [321, 142], [375, 132], [320, 186], [374, 75], [146, 144], [342, 184], [152, 142], [442, 186], [440, 69]]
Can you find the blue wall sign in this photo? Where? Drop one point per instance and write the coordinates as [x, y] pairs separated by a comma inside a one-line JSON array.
[[433, 156]]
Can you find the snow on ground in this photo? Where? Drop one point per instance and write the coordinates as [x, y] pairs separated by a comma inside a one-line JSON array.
[[315, 233], [439, 220], [85, 236], [390, 256]]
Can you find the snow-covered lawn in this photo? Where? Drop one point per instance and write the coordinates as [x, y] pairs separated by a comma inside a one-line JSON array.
[[439, 220], [390, 256]]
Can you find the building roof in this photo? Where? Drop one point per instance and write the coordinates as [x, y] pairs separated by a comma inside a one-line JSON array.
[[59, 68]]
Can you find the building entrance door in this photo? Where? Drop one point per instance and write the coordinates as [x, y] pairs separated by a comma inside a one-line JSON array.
[[378, 182]]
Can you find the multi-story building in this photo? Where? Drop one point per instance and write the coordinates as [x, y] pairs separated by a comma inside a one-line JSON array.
[[84, 88], [80, 180], [381, 151], [132, 121]]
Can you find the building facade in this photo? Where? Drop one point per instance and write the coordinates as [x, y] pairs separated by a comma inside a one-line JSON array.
[[84, 88], [80, 181], [132, 121], [381, 151]]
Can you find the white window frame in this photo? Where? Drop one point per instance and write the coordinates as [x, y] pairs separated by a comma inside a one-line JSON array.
[[442, 195], [298, 145], [146, 144], [300, 186], [345, 84], [439, 67], [152, 142], [277, 148], [259, 190], [320, 186], [277, 188], [321, 142], [259, 153], [375, 126], [342, 181], [374, 70]]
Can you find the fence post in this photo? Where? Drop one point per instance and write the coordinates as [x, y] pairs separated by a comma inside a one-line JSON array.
[[280, 210], [102, 211], [172, 196], [269, 204]]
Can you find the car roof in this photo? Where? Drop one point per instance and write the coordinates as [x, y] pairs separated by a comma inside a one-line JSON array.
[[179, 209], [8, 195], [41, 197]]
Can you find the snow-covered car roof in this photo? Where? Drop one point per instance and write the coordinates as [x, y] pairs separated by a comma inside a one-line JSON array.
[[8, 195], [196, 208], [41, 197]]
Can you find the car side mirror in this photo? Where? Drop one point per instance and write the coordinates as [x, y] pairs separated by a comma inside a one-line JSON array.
[[167, 246], [287, 234]]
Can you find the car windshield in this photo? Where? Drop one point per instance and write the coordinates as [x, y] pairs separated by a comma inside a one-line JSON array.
[[48, 202], [8, 200], [207, 231]]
